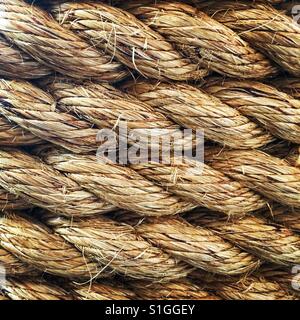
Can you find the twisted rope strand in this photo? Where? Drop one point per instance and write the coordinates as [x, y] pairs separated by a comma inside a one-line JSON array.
[[15, 63], [121, 35], [193, 108], [276, 111], [268, 175], [202, 38], [254, 234], [38, 34], [37, 246], [32, 289], [266, 28], [35, 182]]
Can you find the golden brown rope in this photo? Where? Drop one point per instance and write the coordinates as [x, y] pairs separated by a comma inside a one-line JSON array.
[[109, 290], [33, 109], [175, 290], [210, 188], [117, 184], [246, 288], [263, 26], [266, 174], [17, 64], [33, 289], [13, 266], [193, 108], [201, 38], [38, 247], [118, 246], [38, 34], [273, 109], [121, 35], [35, 182], [197, 246], [270, 242]]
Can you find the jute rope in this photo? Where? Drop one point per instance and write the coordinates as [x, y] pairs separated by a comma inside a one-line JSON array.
[[264, 27], [175, 290], [247, 288], [271, 176], [15, 63], [273, 109], [201, 38], [193, 108], [210, 188], [270, 242], [124, 37], [35, 182], [32, 289], [38, 34]]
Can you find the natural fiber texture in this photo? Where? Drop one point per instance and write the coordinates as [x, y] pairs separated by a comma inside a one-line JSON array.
[[201, 38], [105, 107], [293, 157], [175, 290], [271, 176], [273, 109], [269, 242], [13, 266], [289, 85], [37, 246], [32, 289], [26, 176], [203, 185], [247, 288], [193, 108], [197, 246], [263, 26], [284, 216], [17, 64], [14, 136], [9, 201], [118, 246], [124, 37], [102, 291], [38, 34], [33, 109], [117, 184]]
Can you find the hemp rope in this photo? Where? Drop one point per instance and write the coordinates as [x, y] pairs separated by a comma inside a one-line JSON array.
[[268, 175], [254, 234], [220, 122], [266, 28], [201, 38], [276, 111], [247, 288], [37, 33], [35, 182], [32, 289], [15, 63], [210, 188], [125, 38], [175, 290]]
